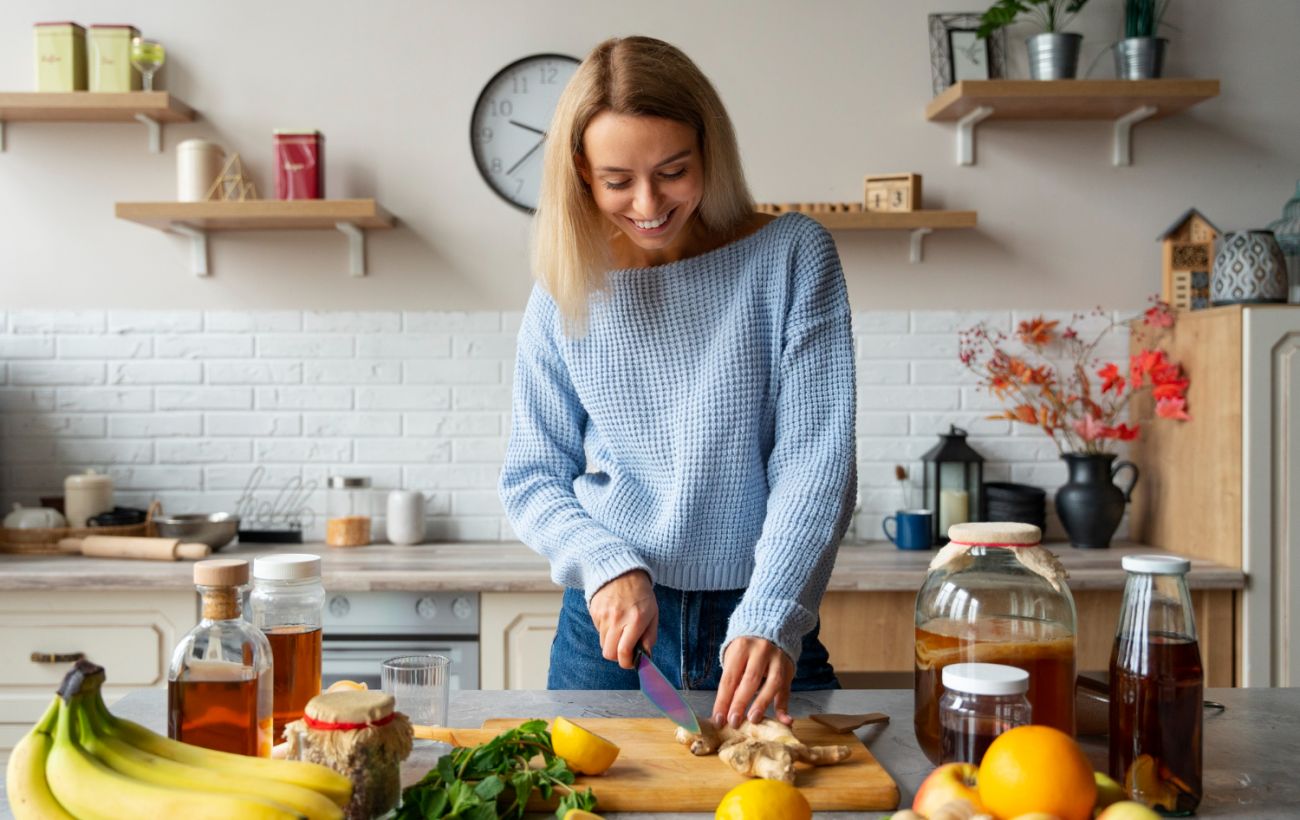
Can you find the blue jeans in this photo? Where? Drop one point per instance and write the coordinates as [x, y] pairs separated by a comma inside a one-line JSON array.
[[692, 626]]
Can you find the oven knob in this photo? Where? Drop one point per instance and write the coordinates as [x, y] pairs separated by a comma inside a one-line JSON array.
[[426, 608], [461, 608], [339, 606]]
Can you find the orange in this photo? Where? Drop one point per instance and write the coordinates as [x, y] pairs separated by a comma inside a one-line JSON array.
[[1037, 769], [764, 800], [585, 752]]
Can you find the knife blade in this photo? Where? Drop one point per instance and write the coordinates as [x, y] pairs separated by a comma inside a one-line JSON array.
[[663, 694]]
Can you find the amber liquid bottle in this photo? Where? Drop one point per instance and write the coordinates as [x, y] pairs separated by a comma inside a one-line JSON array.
[[219, 681], [1157, 688], [287, 604]]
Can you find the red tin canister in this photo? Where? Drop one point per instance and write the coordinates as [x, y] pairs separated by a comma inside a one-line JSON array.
[[299, 164]]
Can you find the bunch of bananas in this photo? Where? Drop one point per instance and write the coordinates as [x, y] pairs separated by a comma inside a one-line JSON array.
[[81, 762]]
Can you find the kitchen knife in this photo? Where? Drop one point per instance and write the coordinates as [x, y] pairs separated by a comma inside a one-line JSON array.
[[663, 694]]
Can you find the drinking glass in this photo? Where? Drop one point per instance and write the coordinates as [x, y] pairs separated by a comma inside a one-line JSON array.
[[420, 685], [147, 56]]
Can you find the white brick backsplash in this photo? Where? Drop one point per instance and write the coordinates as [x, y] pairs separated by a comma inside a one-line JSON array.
[[919, 398], [53, 424], [206, 346], [484, 346], [976, 398], [404, 346], [1039, 448], [977, 424], [258, 321], [203, 451], [351, 322], [326, 425], [511, 322], [352, 371], [205, 398], [28, 372], [480, 398], [882, 424], [304, 450], [30, 450], [103, 452], [949, 321], [892, 449], [452, 424], [437, 322], [252, 424], [382, 478], [304, 346], [155, 321], [1048, 475], [271, 477], [155, 425], [155, 373], [105, 347], [254, 372], [404, 450], [940, 372], [907, 348], [156, 478], [880, 322], [61, 321], [94, 399], [489, 450], [304, 398], [26, 347], [477, 502], [451, 371], [882, 373], [463, 529], [453, 477], [22, 400], [404, 398]]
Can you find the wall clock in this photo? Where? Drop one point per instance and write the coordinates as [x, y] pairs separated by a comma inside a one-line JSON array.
[[509, 123]]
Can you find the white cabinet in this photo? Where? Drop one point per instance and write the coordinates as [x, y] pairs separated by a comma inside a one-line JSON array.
[[130, 634], [515, 636]]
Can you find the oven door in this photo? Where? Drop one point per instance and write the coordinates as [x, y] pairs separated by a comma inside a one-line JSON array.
[[359, 660]]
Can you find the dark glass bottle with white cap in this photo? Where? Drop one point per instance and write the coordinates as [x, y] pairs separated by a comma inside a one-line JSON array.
[[980, 701], [1156, 687], [287, 604]]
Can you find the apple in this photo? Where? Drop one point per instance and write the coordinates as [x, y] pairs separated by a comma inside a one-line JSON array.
[[1108, 791], [949, 782], [1127, 810]]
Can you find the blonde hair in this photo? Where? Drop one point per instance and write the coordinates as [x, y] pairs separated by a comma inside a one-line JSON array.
[[638, 76]]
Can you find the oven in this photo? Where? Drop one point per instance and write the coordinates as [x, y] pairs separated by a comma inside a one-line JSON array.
[[360, 630]]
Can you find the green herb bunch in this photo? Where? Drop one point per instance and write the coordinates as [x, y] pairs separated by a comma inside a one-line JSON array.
[[1142, 18], [494, 780], [1049, 15]]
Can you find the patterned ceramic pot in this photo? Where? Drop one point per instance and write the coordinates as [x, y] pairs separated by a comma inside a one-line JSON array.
[[1248, 269]]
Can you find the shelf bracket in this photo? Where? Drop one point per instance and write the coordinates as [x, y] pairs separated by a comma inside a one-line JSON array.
[[918, 243], [356, 247], [198, 246], [1123, 154], [155, 132], [966, 133]]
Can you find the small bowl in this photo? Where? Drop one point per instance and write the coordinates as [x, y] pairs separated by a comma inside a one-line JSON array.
[[214, 529]]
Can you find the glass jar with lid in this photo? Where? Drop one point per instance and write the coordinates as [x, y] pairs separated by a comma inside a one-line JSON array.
[[349, 510], [287, 603], [980, 702], [994, 595]]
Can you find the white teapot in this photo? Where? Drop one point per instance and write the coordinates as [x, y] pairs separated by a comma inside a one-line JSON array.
[[27, 518]]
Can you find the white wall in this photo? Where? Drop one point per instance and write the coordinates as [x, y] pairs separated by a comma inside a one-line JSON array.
[[821, 92]]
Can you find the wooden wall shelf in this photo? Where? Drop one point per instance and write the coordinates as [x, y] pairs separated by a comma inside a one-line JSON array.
[[195, 219], [1125, 102], [153, 108], [919, 223]]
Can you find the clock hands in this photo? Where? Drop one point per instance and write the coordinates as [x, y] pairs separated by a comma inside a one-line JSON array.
[[528, 127], [537, 145]]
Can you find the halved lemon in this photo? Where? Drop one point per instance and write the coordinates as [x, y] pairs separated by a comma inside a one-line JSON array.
[[344, 685], [584, 751]]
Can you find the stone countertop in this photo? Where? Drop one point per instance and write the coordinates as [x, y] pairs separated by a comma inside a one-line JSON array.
[[490, 566], [1249, 749]]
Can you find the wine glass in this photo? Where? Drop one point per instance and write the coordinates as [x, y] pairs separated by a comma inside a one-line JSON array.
[[147, 56]]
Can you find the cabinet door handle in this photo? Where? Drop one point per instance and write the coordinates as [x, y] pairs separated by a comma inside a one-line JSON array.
[[58, 657]]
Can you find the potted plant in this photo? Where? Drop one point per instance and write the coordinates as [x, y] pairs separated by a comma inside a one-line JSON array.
[[1054, 53], [1141, 54], [1055, 381]]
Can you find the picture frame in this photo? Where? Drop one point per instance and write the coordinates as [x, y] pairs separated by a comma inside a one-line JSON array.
[[957, 53]]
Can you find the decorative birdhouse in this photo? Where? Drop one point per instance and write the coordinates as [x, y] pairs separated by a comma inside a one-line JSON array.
[[953, 482], [1188, 256]]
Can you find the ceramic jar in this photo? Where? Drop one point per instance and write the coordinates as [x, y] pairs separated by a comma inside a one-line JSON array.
[[1287, 232], [86, 495], [1248, 269]]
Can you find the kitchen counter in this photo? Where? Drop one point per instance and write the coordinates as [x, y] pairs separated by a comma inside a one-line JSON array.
[[1250, 748], [489, 566]]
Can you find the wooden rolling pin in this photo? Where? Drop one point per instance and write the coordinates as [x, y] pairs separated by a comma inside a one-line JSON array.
[[154, 549]]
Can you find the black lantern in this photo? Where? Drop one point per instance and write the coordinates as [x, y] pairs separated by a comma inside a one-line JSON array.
[[953, 483]]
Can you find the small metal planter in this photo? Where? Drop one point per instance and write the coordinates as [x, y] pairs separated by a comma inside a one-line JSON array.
[[1139, 58], [1053, 56]]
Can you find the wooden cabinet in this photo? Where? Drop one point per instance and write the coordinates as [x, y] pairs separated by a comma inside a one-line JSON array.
[[515, 634], [1226, 486], [130, 634]]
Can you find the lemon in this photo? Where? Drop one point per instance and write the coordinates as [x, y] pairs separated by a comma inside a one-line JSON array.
[[345, 685], [764, 800], [585, 752], [579, 814]]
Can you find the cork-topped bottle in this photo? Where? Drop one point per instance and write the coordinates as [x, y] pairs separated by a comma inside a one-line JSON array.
[[219, 685]]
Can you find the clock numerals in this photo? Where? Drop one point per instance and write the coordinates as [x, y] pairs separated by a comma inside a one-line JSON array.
[[496, 165], [485, 135], [549, 74], [501, 108], [518, 84]]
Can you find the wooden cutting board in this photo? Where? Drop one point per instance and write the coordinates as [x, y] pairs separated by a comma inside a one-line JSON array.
[[656, 773]]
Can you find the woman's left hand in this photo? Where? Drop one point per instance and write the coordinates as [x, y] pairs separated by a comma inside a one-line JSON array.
[[753, 669]]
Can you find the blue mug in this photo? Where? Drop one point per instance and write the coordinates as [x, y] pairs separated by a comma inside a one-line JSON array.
[[914, 529]]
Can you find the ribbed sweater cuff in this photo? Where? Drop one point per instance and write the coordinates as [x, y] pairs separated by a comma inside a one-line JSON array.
[[780, 621], [611, 565]]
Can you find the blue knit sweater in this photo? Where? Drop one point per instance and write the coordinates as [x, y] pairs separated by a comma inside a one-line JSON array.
[[701, 430]]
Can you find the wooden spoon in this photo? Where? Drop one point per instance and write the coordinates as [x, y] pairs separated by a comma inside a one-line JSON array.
[[847, 723]]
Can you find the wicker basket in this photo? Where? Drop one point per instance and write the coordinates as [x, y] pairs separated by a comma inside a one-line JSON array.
[[45, 540]]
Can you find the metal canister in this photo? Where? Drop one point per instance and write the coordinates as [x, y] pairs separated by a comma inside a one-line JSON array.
[[299, 164], [60, 57], [198, 164], [110, 58]]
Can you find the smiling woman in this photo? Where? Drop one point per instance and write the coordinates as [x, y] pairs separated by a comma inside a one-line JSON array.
[[682, 440]]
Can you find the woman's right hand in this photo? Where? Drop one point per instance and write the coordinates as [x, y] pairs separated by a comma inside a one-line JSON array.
[[625, 613]]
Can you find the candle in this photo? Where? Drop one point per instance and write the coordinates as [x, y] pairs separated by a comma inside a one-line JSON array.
[[954, 508]]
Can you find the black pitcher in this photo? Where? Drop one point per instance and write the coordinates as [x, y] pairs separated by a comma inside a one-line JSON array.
[[1090, 506]]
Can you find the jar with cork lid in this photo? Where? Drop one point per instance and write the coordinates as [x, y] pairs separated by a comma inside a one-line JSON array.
[[219, 684], [349, 510]]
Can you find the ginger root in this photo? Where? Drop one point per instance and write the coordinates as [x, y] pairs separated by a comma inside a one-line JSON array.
[[767, 749]]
